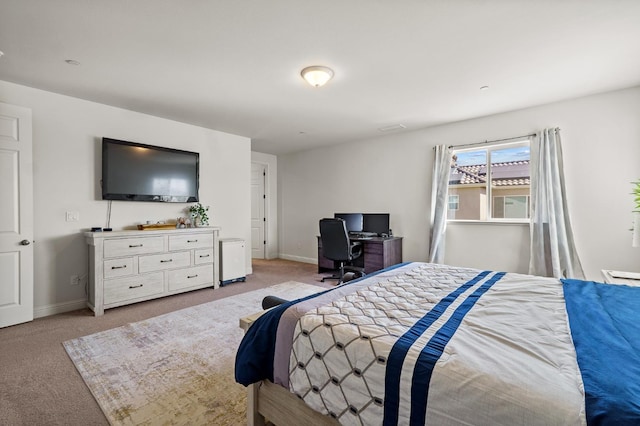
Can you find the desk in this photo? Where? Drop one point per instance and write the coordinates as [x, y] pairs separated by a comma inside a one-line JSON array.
[[379, 253]]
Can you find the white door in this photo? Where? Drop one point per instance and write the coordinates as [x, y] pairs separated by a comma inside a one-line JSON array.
[[16, 216], [258, 219]]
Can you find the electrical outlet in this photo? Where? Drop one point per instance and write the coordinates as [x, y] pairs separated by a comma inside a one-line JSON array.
[[75, 280], [73, 216]]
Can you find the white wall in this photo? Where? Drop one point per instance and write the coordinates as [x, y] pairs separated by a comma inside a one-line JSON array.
[[67, 136], [601, 142], [271, 189]]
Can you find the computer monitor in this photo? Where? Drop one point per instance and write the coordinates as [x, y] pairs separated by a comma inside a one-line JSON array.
[[376, 222], [354, 221]]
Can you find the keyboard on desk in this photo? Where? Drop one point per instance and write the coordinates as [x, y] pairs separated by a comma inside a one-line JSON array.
[[363, 235]]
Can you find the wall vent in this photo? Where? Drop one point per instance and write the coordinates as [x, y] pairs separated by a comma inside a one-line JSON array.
[[392, 127]]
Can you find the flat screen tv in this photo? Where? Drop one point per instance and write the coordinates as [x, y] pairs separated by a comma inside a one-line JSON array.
[[137, 172]]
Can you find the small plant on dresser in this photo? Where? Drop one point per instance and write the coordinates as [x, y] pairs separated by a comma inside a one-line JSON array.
[[199, 214]]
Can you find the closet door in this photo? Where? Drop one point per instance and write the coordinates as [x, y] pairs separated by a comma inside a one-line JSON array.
[[16, 216], [258, 216]]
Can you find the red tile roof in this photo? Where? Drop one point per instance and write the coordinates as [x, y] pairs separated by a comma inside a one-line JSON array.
[[510, 173]]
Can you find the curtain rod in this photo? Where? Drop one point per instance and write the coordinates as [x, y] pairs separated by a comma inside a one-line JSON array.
[[492, 141]]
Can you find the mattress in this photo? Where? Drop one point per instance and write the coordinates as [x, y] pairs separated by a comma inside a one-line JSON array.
[[424, 343]]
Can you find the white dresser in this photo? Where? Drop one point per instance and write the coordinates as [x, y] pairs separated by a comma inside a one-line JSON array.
[[131, 266]]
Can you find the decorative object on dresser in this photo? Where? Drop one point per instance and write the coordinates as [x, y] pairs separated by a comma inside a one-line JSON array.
[[132, 266], [155, 226], [199, 214]]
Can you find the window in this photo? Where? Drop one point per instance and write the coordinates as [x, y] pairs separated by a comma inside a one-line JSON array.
[[511, 206], [505, 196], [454, 202]]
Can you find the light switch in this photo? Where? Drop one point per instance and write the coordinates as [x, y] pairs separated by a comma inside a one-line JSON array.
[[73, 216]]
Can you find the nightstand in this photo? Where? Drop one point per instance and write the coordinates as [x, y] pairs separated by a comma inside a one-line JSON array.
[[621, 277]]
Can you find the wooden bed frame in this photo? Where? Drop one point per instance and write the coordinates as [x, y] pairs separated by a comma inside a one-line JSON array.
[[268, 403]]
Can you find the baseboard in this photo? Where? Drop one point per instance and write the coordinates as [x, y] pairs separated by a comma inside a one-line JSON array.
[[312, 260], [59, 308]]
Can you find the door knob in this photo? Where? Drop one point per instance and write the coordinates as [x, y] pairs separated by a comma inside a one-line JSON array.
[[25, 242]]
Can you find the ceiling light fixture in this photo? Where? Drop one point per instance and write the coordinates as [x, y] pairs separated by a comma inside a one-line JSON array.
[[317, 75]]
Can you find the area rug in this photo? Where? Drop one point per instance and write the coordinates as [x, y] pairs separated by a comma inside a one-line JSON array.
[[176, 368]]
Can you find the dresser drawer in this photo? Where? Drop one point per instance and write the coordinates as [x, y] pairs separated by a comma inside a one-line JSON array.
[[135, 287], [191, 277], [133, 246], [118, 267], [160, 262], [190, 241], [203, 256]]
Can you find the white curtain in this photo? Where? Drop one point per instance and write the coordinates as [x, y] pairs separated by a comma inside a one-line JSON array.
[[553, 252], [439, 202]]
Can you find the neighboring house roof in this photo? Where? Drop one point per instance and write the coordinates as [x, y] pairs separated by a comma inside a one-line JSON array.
[[512, 173]]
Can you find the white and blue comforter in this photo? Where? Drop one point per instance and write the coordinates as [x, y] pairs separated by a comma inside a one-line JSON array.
[[431, 344]]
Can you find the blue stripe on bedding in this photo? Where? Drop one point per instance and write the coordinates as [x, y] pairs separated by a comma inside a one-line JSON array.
[[605, 326], [434, 349], [403, 344], [254, 359]]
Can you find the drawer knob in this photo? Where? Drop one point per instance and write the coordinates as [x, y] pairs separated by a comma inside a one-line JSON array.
[[135, 245], [166, 261], [192, 241], [192, 276], [136, 286], [204, 255], [118, 267]]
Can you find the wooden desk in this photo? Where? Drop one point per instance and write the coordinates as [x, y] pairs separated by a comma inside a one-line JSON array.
[[379, 253]]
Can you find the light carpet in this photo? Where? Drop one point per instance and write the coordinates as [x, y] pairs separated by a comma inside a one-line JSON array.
[[176, 368]]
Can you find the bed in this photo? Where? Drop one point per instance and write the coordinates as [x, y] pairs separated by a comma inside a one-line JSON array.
[[422, 343]]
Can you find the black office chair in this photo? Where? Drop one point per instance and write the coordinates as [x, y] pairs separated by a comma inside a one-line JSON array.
[[336, 246]]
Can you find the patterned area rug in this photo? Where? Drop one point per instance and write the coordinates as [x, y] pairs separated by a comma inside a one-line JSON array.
[[176, 368]]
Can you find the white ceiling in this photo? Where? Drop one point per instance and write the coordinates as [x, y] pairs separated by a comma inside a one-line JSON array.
[[233, 65]]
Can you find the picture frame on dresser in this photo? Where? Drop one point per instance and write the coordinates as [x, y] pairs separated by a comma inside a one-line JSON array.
[[127, 267]]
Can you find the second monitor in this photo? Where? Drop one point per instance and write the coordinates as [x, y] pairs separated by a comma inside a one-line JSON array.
[[376, 222]]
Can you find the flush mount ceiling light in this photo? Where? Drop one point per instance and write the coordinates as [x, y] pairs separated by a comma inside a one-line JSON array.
[[317, 75]]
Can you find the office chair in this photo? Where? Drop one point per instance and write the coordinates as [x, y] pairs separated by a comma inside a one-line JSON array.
[[336, 246]]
